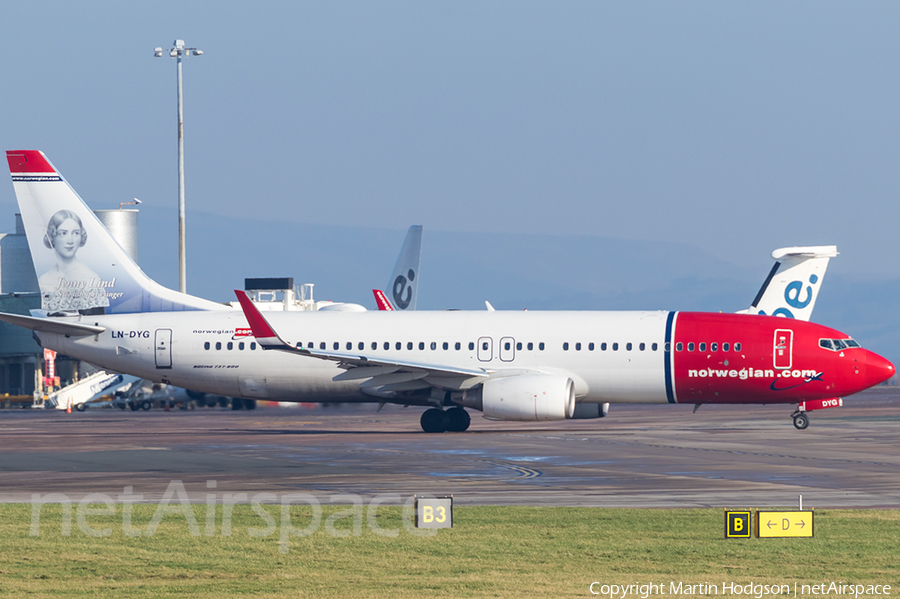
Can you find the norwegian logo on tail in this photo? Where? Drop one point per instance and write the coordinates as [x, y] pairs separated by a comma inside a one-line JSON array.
[[80, 267], [382, 301], [793, 284]]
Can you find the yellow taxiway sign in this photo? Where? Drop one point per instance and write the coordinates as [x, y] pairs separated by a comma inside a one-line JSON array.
[[790, 523]]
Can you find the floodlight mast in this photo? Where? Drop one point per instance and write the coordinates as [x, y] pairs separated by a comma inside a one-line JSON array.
[[178, 52]]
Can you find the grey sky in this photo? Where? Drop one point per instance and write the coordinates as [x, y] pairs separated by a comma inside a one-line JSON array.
[[737, 127]]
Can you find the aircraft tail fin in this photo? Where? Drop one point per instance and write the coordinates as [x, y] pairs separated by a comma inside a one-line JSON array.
[[80, 267], [403, 288], [793, 284], [381, 299]]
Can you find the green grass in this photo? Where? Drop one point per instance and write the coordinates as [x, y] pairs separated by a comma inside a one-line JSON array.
[[491, 552]]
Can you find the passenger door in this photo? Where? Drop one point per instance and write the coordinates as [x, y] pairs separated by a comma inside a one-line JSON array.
[[163, 345]]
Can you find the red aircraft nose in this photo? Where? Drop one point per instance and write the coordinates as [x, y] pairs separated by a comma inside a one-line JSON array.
[[878, 369]]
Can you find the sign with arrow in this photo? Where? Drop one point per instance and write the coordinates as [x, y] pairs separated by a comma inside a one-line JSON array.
[[790, 523]]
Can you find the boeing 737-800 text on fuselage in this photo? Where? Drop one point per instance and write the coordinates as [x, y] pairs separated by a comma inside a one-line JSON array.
[[529, 365]]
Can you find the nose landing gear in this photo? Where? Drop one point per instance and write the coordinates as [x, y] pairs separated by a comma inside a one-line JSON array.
[[801, 420]]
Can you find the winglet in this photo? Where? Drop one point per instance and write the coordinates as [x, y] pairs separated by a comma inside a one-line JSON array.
[[262, 330], [382, 301]]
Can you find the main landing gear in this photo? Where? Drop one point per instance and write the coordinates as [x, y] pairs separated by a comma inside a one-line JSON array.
[[454, 420]]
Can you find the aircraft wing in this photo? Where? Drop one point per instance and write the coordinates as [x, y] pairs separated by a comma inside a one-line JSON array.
[[385, 374], [51, 325]]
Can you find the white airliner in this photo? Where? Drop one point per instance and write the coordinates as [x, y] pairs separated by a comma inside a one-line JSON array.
[[528, 365]]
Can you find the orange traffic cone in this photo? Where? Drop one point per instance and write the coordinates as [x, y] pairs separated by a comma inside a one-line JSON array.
[[69, 409]]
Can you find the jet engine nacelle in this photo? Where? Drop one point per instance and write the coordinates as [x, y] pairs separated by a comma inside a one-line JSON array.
[[529, 397]]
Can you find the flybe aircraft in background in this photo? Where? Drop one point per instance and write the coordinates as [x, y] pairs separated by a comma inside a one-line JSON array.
[[520, 366]]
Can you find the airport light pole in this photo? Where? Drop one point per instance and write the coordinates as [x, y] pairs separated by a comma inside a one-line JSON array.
[[179, 52]]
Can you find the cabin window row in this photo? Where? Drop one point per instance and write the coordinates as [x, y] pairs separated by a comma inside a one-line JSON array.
[[713, 347], [230, 345], [409, 345], [614, 346]]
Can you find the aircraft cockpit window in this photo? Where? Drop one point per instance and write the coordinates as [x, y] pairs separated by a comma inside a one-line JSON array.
[[837, 344]]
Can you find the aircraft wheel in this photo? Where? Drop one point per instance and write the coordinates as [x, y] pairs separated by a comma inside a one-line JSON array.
[[801, 421], [80, 407], [146, 405], [134, 407], [250, 404], [200, 402], [433, 421], [457, 420], [237, 403]]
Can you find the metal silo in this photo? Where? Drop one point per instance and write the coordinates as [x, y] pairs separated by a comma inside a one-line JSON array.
[[122, 224]]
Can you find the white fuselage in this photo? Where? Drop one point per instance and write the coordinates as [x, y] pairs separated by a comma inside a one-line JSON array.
[[213, 351]]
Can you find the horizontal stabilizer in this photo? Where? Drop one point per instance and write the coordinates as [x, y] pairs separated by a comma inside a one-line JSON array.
[[51, 325]]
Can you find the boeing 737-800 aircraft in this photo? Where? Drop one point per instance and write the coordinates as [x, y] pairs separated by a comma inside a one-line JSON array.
[[524, 366]]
